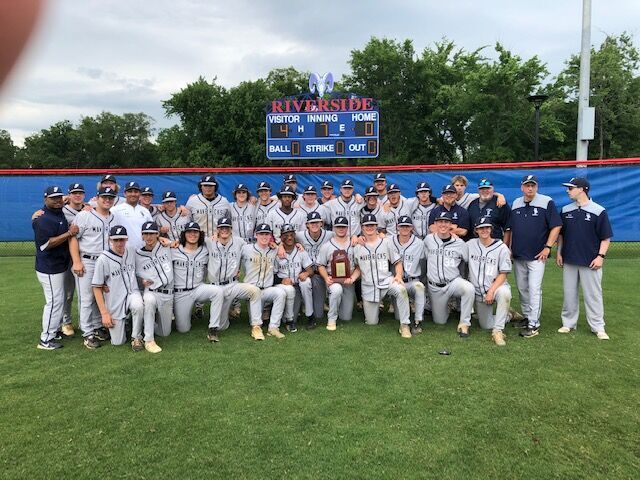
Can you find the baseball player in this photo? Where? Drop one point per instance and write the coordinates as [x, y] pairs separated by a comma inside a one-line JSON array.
[[444, 254], [310, 203], [294, 269], [258, 261], [464, 199], [91, 240], [223, 270], [373, 259], [115, 288], [75, 196], [486, 205], [208, 206], [190, 261], [146, 200], [243, 214], [285, 214], [154, 268], [171, 221], [535, 226], [410, 249], [459, 216], [489, 265], [326, 191], [52, 233], [108, 181], [373, 207], [420, 208], [290, 180], [582, 247], [380, 184], [395, 207], [341, 295], [265, 202], [346, 206], [132, 215]]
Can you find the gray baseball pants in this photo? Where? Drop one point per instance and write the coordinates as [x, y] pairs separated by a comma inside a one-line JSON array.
[[501, 302], [399, 294], [135, 305], [457, 288], [88, 313], [183, 303], [158, 313], [69, 289], [53, 289], [319, 288], [574, 276], [278, 298], [233, 292], [342, 299], [529, 275]]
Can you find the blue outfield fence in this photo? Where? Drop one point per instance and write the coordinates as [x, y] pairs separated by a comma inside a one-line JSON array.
[[615, 187]]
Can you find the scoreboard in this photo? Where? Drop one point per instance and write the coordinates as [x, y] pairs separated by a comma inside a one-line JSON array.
[[350, 134]]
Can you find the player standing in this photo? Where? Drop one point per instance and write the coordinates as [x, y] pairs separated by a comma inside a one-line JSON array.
[[285, 214], [265, 202], [170, 221], [132, 215], [346, 206], [420, 209], [486, 205], [208, 206], [582, 248], [243, 214]]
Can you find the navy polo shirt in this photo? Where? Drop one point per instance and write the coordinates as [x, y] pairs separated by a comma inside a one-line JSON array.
[[51, 223], [530, 224], [499, 216], [583, 228], [460, 216]]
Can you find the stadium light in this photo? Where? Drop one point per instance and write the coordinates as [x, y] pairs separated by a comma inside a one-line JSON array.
[[537, 101]]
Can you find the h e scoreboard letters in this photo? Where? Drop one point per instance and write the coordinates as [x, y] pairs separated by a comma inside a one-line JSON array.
[[322, 132]]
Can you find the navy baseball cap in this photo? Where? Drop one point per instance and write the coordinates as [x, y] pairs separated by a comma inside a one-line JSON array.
[[529, 179], [224, 222], [314, 217], [371, 192], [327, 184], [169, 197], [578, 182], [263, 186], [393, 188], [263, 228], [107, 192], [287, 228], [76, 188], [341, 222], [484, 222], [379, 177], [348, 183], [108, 178], [369, 219], [209, 180], [131, 186], [147, 191], [423, 187], [485, 183], [287, 190], [443, 216], [310, 189], [405, 220], [53, 191], [118, 232], [241, 187], [448, 188], [150, 227], [290, 178], [192, 226]]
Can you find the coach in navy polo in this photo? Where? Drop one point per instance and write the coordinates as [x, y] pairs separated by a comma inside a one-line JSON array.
[[582, 247], [52, 233], [459, 216], [535, 225]]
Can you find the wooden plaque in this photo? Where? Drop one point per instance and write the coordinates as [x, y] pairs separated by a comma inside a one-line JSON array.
[[340, 266]]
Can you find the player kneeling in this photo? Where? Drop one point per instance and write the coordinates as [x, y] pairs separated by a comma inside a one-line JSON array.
[[444, 253], [489, 265], [115, 286]]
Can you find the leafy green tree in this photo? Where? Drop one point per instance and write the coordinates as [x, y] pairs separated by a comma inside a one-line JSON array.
[[7, 151], [55, 147]]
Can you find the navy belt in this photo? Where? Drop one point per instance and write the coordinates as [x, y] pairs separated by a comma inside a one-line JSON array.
[[411, 279], [178, 290], [159, 290], [439, 285], [224, 283], [90, 257]]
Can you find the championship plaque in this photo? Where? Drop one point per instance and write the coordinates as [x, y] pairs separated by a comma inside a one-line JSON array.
[[340, 266]]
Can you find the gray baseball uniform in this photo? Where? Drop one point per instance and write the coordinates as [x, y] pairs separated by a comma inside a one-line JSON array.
[[155, 265], [207, 212], [341, 297], [223, 270], [292, 265], [176, 224], [350, 210], [466, 199], [312, 247], [243, 220], [263, 210], [391, 217], [93, 239], [412, 253], [189, 270], [485, 264], [69, 279], [420, 217], [118, 273], [375, 260], [277, 218], [378, 212], [443, 277], [316, 207]]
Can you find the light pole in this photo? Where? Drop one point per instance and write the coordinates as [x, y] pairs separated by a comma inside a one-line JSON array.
[[537, 101], [586, 114]]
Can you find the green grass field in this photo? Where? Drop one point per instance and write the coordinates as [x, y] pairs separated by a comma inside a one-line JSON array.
[[357, 403]]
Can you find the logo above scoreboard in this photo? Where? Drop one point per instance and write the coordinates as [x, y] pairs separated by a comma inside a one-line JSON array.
[[314, 127]]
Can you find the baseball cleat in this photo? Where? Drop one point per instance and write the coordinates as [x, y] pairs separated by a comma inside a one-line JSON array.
[[50, 345], [91, 342], [498, 338], [530, 332], [524, 323], [152, 347], [463, 330], [416, 329], [311, 323], [137, 345], [256, 333], [602, 335], [212, 335], [102, 334], [235, 312], [565, 330], [58, 336], [275, 332], [291, 327], [515, 316], [198, 312], [405, 331], [67, 330], [331, 326]]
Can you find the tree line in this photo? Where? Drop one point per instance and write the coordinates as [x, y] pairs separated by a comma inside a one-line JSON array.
[[442, 105]]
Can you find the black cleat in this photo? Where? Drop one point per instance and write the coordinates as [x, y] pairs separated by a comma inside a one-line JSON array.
[[212, 335], [311, 323], [50, 345], [291, 327], [102, 334], [91, 342], [530, 332], [524, 323]]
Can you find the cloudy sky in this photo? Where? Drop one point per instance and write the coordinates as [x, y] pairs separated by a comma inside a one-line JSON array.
[[88, 56]]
